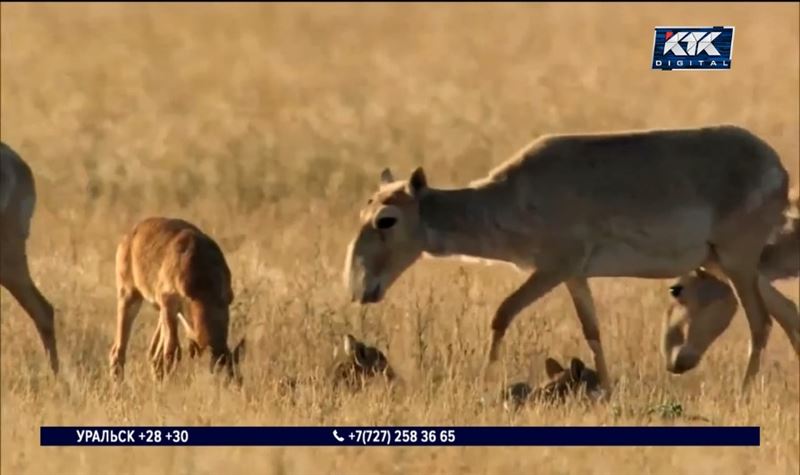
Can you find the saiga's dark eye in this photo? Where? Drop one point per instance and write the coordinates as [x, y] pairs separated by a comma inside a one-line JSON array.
[[386, 222]]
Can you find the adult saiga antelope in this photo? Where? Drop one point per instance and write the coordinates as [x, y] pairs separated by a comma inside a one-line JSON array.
[[17, 203], [181, 271], [646, 204]]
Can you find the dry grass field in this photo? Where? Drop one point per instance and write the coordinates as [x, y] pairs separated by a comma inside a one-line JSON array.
[[268, 125]]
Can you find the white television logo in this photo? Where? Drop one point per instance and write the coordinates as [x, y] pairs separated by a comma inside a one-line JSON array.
[[696, 43]]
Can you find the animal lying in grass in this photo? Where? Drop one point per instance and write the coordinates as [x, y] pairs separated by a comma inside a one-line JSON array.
[[577, 380], [360, 364], [355, 364]]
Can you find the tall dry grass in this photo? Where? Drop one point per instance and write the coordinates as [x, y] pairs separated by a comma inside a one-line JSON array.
[[267, 125]]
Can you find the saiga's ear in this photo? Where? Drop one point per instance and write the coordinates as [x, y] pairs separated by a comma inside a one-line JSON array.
[[418, 182], [349, 344], [576, 367], [552, 368], [360, 356], [387, 176]]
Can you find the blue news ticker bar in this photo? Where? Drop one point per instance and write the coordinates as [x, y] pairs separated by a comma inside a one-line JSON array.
[[408, 436]]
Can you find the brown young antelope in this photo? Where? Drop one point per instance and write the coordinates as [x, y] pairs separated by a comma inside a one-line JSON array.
[[704, 304], [17, 203], [567, 208], [578, 380], [182, 272], [360, 363]]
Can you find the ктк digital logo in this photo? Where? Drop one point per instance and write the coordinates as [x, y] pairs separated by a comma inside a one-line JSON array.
[[693, 48]]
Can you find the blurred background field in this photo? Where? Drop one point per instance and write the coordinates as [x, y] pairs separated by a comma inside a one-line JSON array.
[[268, 125]]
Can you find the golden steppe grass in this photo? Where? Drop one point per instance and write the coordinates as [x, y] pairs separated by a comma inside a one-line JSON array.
[[267, 125]]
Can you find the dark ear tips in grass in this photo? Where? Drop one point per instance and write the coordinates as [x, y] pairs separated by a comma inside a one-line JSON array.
[[552, 367], [576, 367]]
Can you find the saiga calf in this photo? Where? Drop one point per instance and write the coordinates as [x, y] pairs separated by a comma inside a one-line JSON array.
[[181, 271]]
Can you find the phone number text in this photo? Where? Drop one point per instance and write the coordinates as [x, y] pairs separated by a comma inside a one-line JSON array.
[[403, 436]]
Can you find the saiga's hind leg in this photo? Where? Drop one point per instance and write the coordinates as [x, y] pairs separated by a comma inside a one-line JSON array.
[[783, 310], [760, 300], [15, 276], [739, 260]]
